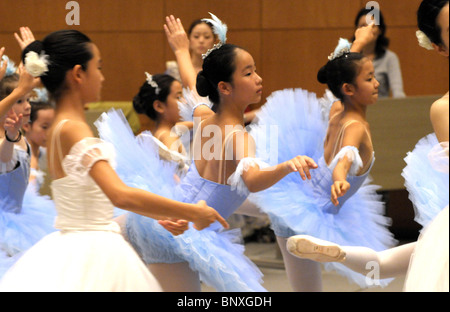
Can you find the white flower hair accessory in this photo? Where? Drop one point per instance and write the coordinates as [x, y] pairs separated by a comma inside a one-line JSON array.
[[153, 83], [342, 48], [220, 29], [35, 64], [424, 41]]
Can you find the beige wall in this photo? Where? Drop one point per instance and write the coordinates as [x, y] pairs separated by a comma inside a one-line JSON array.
[[289, 39]]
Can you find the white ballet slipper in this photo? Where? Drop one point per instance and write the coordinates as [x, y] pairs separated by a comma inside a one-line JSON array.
[[308, 247]]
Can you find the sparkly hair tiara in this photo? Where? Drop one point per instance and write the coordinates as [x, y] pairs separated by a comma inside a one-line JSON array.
[[153, 83], [342, 48], [220, 29]]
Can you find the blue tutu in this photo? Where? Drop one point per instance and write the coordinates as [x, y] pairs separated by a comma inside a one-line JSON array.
[[428, 189], [304, 207], [22, 227], [216, 254]]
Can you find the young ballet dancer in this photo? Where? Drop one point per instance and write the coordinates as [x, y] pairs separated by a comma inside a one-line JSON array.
[[87, 253], [201, 38], [426, 261], [188, 66], [25, 216], [223, 176], [339, 203], [36, 133], [158, 99]]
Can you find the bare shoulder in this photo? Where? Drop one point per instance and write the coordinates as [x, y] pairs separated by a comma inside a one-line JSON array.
[[355, 133], [440, 107], [243, 144], [440, 119], [336, 108], [74, 131]]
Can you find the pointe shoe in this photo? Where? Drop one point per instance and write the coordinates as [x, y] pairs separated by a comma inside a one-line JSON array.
[[308, 247]]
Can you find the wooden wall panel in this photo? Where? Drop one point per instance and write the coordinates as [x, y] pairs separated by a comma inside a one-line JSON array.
[[296, 65], [124, 65], [41, 15], [95, 15], [236, 14], [423, 71], [308, 14], [289, 39], [399, 12], [120, 15]]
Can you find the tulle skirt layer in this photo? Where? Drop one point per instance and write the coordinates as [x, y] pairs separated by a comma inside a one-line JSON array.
[[304, 207], [85, 261], [428, 188], [429, 268], [20, 231]]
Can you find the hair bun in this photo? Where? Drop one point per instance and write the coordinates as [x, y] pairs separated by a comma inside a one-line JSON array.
[[322, 75], [204, 86]]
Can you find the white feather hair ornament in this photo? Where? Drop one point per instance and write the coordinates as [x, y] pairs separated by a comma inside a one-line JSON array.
[[220, 29], [342, 48]]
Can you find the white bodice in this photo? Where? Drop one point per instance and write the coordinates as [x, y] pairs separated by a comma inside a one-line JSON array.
[[79, 201]]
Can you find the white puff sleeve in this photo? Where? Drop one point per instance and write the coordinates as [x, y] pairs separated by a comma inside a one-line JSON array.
[[84, 154], [236, 181], [352, 154], [9, 166]]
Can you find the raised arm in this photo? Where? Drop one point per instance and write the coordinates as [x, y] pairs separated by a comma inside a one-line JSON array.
[[12, 126], [25, 38], [26, 84], [4, 65], [179, 42], [363, 36]]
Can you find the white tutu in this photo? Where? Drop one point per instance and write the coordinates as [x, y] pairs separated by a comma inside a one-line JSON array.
[[80, 261], [429, 268], [88, 253]]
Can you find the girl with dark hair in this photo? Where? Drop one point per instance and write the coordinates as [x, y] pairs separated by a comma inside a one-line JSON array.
[[201, 38], [339, 204], [386, 62], [223, 172], [425, 262], [25, 216], [36, 133], [158, 99], [88, 253]]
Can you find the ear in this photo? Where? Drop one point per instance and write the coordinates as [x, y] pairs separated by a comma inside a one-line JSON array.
[[348, 89], [76, 74], [224, 88], [159, 106], [440, 49]]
